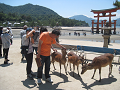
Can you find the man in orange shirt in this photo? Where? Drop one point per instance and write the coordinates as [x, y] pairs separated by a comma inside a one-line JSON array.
[[44, 47]]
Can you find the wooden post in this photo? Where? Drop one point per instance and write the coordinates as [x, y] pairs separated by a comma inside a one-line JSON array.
[[97, 31], [114, 26], [110, 21], [92, 26], [101, 26]]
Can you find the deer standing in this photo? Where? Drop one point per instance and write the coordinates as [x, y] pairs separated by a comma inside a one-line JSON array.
[[61, 58], [75, 60], [98, 62]]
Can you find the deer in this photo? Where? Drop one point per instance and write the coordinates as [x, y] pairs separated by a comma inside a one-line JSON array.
[[98, 63], [61, 58], [75, 60]]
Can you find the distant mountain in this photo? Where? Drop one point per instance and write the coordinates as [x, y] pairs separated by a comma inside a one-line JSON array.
[[88, 20], [35, 15], [82, 18], [28, 9]]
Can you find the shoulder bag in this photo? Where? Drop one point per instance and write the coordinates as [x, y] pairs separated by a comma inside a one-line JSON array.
[[25, 48]]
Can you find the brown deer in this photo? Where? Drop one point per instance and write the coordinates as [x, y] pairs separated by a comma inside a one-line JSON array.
[[75, 60], [61, 58], [98, 62]]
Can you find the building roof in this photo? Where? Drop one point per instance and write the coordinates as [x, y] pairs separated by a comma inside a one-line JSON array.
[[105, 10]]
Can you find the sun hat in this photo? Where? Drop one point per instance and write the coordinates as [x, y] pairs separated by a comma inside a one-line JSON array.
[[25, 26], [5, 30]]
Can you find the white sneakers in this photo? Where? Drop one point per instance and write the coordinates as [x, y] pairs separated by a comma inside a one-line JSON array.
[[48, 80]]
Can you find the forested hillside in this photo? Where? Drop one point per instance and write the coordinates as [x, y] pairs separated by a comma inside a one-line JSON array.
[[35, 15]]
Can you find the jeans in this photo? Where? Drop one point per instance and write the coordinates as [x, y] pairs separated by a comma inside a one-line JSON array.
[[29, 59], [35, 48], [46, 60]]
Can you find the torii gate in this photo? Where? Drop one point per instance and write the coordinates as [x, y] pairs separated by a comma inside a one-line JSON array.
[[103, 12]]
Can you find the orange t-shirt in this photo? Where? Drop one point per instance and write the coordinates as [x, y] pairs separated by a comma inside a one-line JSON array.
[[46, 45]]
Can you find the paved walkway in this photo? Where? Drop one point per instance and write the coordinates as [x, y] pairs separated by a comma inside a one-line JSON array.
[[13, 75]]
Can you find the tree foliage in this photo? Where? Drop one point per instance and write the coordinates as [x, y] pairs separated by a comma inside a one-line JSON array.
[[35, 15], [117, 4]]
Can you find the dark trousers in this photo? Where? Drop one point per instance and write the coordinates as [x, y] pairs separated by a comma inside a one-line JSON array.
[[46, 60], [5, 51], [29, 59]]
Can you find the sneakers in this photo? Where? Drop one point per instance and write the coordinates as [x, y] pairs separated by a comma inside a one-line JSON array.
[[39, 81], [49, 80], [33, 74], [29, 76]]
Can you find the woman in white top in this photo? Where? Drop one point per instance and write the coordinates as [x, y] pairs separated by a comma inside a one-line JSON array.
[[6, 43], [28, 41]]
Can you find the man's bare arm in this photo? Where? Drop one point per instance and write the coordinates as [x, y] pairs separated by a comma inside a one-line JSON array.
[[39, 48]]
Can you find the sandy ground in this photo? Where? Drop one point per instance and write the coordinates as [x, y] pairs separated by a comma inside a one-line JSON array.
[[13, 75], [89, 37]]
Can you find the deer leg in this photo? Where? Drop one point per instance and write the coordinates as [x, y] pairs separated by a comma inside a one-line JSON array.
[[73, 69], [54, 66], [93, 73], [100, 74], [78, 70], [70, 66], [60, 68], [110, 70], [65, 69], [67, 64]]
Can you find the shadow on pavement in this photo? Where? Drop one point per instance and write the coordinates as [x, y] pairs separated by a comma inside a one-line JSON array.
[[103, 81], [64, 77], [79, 78], [49, 86], [29, 83], [6, 65]]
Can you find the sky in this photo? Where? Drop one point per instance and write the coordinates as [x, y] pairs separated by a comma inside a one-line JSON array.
[[68, 8]]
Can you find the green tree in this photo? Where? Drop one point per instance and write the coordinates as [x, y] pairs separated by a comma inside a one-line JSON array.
[[117, 3]]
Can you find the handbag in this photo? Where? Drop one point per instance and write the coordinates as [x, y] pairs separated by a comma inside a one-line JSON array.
[[25, 48], [38, 62]]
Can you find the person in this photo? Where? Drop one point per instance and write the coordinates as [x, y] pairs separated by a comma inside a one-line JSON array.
[[11, 34], [44, 47], [6, 43], [36, 37], [28, 41], [23, 32], [1, 27], [43, 29]]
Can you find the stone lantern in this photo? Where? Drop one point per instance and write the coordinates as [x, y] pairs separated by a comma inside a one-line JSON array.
[[106, 35]]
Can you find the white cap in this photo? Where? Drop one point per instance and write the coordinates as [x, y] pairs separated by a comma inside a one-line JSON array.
[[5, 30]]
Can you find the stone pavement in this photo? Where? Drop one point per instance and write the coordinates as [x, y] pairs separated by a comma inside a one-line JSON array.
[[13, 75]]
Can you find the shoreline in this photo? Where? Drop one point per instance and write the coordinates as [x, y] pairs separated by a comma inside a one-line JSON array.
[[115, 38]]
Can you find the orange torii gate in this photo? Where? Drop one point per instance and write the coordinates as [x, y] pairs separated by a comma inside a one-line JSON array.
[[103, 12]]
